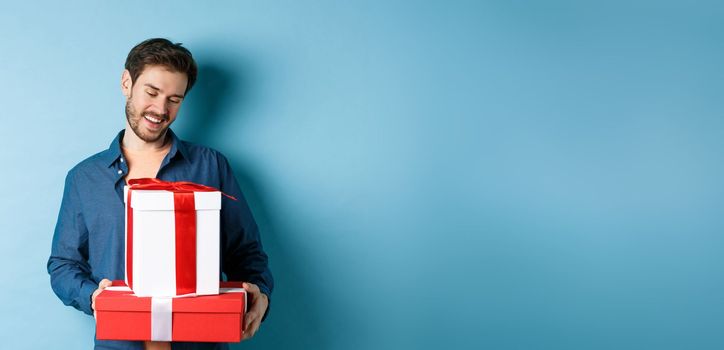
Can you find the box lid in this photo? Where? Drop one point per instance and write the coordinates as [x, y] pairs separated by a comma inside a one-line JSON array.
[[163, 200], [125, 300]]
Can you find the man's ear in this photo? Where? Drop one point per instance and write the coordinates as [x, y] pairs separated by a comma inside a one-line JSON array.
[[126, 83]]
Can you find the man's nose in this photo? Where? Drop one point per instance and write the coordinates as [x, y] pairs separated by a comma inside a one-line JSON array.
[[160, 106]]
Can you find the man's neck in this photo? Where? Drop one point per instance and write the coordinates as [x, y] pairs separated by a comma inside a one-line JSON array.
[[132, 142]]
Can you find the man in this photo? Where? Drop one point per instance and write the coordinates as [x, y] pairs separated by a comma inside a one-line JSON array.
[[88, 244]]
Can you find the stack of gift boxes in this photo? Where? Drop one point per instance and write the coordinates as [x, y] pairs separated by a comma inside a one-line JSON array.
[[172, 290]]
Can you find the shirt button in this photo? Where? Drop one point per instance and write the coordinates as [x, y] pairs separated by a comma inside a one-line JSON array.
[[121, 160], [120, 172]]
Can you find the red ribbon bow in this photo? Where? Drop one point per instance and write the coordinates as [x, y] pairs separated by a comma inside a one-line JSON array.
[[174, 186]]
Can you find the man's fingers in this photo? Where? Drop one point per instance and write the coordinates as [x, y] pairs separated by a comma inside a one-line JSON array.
[[103, 284], [253, 317], [248, 333], [250, 317], [256, 295], [93, 298], [251, 287], [256, 306], [251, 326], [255, 326], [157, 345], [248, 323]]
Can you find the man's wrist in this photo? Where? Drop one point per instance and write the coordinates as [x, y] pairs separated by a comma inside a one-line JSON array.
[[86, 293]]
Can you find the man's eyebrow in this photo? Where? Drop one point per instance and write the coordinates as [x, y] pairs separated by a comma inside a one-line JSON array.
[[157, 89]]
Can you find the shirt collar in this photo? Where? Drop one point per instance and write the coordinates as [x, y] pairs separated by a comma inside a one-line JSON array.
[[114, 150], [176, 146]]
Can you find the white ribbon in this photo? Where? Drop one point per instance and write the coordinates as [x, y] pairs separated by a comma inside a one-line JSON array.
[[161, 319], [118, 288]]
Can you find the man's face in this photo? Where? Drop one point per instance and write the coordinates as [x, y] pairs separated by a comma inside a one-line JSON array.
[[153, 100]]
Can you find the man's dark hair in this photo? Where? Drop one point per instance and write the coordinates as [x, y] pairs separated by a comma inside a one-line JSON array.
[[162, 52]]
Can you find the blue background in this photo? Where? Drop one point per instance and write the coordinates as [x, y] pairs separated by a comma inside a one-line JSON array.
[[458, 174]]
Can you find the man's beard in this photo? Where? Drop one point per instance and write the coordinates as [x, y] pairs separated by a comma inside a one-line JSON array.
[[134, 120]]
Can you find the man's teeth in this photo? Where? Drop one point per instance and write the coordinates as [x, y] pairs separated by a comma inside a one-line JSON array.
[[152, 119]]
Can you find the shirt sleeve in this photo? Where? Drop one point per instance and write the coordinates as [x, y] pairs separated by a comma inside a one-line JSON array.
[[244, 258], [68, 266]]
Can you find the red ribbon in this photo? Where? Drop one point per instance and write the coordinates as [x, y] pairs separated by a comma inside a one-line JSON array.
[[185, 218], [177, 186]]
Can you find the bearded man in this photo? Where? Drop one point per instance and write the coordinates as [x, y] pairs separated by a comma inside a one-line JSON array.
[[88, 244]]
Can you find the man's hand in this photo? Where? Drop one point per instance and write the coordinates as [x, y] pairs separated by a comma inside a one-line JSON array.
[[101, 286], [259, 303], [157, 345]]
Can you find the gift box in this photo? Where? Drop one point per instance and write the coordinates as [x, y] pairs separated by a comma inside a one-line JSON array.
[[121, 315], [172, 238]]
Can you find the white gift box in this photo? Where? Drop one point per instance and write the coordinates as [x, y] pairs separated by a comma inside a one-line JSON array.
[[151, 259]]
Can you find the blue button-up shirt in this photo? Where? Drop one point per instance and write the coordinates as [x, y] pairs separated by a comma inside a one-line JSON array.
[[88, 244]]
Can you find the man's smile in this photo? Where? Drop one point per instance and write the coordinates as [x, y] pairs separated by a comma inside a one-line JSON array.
[[154, 121]]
